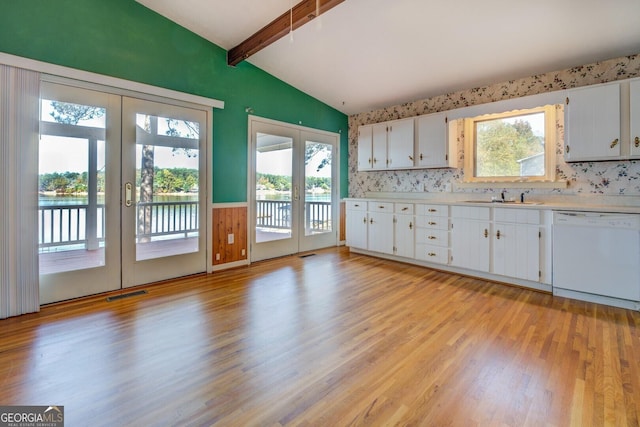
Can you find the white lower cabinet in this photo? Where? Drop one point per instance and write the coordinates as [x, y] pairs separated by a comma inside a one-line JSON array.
[[404, 230], [512, 242], [516, 243], [380, 227], [357, 220], [470, 242]]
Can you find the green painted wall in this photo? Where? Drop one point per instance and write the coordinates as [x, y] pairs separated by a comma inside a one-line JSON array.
[[122, 38]]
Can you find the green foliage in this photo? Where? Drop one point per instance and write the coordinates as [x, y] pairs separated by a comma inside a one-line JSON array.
[[176, 180], [283, 183], [499, 146], [273, 182], [67, 182]]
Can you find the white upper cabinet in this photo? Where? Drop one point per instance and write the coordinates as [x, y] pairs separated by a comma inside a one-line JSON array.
[[593, 123], [406, 144], [400, 142], [634, 113], [379, 146], [365, 149], [433, 148]]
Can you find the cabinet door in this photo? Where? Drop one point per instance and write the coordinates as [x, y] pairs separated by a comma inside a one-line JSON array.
[[380, 232], [379, 144], [432, 140], [365, 155], [400, 143], [593, 123], [357, 228], [634, 88], [516, 251], [404, 236], [470, 244]]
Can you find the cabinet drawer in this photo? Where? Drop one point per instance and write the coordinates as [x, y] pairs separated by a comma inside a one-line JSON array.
[[432, 253], [433, 222], [404, 208], [432, 210], [380, 207], [432, 237], [471, 212], [517, 215], [356, 205]]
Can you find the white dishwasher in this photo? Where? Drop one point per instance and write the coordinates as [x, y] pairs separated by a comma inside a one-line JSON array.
[[597, 253]]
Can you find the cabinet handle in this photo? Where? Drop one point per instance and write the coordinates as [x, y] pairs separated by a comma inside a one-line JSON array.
[[420, 156], [431, 223], [364, 220], [432, 210], [411, 158], [614, 143], [405, 209], [432, 254], [498, 235], [375, 161], [411, 226], [432, 237], [568, 149], [356, 205], [371, 221], [380, 207], [637, 141], [486, 233]]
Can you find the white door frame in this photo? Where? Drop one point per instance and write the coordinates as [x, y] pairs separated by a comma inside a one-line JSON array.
[[301, 131], [118, 89]]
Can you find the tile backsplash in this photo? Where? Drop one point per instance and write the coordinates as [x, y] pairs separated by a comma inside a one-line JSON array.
[[589, 178]]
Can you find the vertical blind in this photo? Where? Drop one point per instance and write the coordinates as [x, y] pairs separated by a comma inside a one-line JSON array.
[[19, 111]]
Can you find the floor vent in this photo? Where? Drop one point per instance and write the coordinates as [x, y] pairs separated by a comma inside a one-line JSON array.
[[127, 295], [306, 255]]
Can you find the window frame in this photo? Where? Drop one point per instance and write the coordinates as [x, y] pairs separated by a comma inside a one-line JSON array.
[[550, 141]]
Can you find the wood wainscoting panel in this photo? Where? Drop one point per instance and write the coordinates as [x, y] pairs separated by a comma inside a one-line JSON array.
[[226, 221]]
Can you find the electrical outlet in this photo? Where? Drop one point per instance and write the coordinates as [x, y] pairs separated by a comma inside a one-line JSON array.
[[230, 239], [244, 252], [217, 257]]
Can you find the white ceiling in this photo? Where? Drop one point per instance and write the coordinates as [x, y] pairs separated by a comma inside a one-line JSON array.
[[364, 55]]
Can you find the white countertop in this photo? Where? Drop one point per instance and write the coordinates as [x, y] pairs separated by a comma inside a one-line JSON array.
[[581, 203]]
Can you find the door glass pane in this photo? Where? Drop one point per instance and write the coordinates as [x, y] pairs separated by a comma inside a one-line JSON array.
[[167, 193], [71, 220], [318, 185], [274, 157]]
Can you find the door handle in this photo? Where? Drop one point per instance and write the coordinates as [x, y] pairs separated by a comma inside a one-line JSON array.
[[128, 190], [296, 193]]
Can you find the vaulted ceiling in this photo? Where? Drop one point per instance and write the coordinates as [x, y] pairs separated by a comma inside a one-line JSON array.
[[364, 55]]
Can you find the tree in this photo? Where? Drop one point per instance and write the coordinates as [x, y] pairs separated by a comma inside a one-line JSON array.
[[314, 148], [72, 114], [501, 144]]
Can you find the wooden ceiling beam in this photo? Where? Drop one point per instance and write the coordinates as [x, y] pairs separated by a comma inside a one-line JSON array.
[[303, 12]]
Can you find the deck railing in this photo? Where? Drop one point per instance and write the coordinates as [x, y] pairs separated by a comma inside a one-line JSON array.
[[276, 214], [66, 225], [167, 218]]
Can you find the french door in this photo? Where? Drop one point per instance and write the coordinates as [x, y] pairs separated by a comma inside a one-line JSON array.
[[121, 192], [293, 190]]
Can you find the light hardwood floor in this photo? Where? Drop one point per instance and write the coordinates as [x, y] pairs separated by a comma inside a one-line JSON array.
[[333, 339]]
